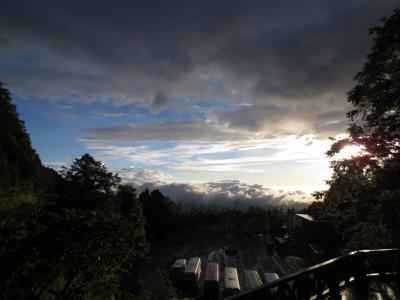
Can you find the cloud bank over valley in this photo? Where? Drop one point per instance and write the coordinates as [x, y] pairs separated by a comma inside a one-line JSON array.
[[223, 194]]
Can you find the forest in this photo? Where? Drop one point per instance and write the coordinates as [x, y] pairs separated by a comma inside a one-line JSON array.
[[82, 234]]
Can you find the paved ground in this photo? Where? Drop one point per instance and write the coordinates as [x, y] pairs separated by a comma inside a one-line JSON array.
[[251, 254]]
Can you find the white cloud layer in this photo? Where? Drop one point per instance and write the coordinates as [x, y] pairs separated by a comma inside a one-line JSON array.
[[139, 176], [229, 193], [248, 155]]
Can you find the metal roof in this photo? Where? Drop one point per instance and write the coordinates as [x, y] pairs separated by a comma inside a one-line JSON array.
[[179, 263], [306, 216], [212, 272], [193, 264]]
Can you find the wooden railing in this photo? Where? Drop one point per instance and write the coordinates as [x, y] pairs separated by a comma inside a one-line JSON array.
[[329, 278]]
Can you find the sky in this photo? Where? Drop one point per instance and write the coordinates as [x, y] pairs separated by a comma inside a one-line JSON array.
[[233, 99]]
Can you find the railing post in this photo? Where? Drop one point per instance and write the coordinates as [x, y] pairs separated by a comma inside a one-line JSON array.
[[360, 276], [332, 279], [303, 287]]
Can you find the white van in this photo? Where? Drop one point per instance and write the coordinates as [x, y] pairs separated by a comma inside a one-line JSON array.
[[231, 282], [192, 274]]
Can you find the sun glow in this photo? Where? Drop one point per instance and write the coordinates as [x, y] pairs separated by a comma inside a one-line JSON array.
[[348, 152]]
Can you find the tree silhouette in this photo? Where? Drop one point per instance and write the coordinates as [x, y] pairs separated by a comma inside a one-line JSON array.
[[159, 212], [19, 162], [88, 180], [90, 175], [376, 97], [128, 202], [364, 190]]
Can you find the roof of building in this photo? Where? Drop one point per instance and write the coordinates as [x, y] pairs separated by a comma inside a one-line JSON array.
[[212, 272], [306, 216], [179, 263], [269, 277], [231, 278], [193, 265]]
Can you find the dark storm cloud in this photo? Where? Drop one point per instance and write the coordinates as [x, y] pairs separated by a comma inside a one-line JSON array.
[[302, 62], [156, 38], [155, 52]]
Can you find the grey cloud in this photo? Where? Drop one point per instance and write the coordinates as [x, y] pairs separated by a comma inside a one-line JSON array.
[[332, 115], [107, 114], [330, 129], [249, 122], [329, 123], [160, 101], [253, 117], [274, 120], [229, 193], [293, 50], [165, 131], [304, 62]]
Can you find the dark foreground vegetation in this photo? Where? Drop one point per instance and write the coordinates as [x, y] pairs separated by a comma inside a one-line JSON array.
[[80, 234]]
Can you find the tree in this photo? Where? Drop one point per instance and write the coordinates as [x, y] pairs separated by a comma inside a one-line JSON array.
[[127, 200], [19, 162], [159, 212], [88, 180], [376, 97], [74, 251], [67, 254], [363, 196]]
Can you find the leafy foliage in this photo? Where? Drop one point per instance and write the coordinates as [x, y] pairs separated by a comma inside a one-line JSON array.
[[160, 213], [159, 287], [90, 176], [363, 194], [19, 162], [88, 182], [66, 253], [376, 97]]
